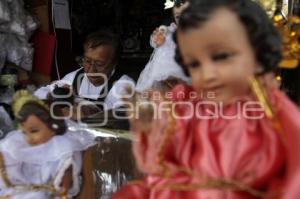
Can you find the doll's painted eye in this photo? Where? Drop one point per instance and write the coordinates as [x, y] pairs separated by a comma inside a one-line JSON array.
[[34, 130], [221, 56], [193, 64]]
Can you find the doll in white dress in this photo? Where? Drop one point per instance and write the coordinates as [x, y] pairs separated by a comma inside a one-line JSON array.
[[162, 65], [43, 159]]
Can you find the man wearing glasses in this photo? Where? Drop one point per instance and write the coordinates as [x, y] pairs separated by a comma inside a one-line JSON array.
[[98, 80]]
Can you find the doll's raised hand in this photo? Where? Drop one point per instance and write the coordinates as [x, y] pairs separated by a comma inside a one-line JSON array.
[[152, 123], [140, 110]]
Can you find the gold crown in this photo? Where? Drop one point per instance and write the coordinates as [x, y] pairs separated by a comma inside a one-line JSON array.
[[21, 98]]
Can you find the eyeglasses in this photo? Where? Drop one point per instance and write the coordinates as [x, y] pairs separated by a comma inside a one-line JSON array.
[[84, 61]]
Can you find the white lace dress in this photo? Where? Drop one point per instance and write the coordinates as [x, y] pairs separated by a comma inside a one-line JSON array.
[[162, 64], [44, 164]]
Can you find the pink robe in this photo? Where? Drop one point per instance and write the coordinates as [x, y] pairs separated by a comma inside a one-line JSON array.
[[218, 158]]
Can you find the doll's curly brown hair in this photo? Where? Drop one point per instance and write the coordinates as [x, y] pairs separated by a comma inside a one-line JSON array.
[[31, 108]]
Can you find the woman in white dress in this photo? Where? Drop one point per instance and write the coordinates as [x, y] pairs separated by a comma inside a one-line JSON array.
[[44, 158]]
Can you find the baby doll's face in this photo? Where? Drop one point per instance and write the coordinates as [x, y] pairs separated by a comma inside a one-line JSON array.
[[219, 57], [36, 132]]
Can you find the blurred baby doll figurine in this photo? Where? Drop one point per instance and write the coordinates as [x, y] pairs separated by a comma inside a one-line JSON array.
[[162, 65], [214, 139], [43, 158]]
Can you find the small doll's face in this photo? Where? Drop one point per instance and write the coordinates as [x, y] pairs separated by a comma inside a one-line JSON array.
[[36, 132], [219, 57]]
